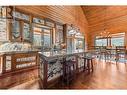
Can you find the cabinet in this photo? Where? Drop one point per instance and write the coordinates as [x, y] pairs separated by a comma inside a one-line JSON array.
[[59, 34], [16, 31], [3, 30], [26, 32]]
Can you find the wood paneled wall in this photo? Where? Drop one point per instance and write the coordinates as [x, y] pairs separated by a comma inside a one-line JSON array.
[[63, 14], [113, 18]]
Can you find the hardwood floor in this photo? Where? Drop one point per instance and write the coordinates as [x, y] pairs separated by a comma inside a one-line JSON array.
[[105, 76], [33, 85]]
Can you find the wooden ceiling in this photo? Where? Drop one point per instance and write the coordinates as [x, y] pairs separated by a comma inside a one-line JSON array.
[[63, 14], [99, 14], [111, 18], [114, 18]]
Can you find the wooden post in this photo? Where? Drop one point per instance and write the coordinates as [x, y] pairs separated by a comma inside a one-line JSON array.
[[45, 78]]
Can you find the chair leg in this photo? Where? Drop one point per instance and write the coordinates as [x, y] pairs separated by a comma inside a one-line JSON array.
[[92, 64], [84, 64], [105, 56], [124, 58], [74, 71], [88, 65]]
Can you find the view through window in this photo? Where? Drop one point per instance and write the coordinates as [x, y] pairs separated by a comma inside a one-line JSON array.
[[101, 42], [117, 39]]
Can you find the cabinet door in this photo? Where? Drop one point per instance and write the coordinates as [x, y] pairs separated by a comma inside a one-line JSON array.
[[3, 30], [1, 62], [26, 32], [16, 33], [59, 34]]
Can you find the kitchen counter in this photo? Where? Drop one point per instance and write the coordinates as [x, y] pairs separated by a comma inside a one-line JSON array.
[[15, 52], [51, 70], [52, 54], [12, 61]]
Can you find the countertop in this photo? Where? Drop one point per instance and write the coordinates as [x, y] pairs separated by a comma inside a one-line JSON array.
[[14, 52], [50, 54]]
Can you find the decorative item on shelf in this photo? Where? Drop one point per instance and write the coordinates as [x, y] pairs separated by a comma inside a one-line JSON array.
[[38, 21], [6, 12], [49, 22], [63, 46], [9, 12], [2, 12]]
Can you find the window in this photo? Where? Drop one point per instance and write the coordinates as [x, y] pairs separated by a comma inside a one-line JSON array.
[[47, 37], [101, 42], [117, 39], [37, 37]]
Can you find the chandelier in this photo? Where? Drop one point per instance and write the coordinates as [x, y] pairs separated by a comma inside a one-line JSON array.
[[105, 33], [74, 30]]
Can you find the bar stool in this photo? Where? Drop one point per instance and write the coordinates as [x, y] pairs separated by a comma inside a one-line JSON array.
[[68, 71], [88, 64]]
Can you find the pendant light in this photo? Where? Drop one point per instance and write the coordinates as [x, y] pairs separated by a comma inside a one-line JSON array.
[[105, 33]]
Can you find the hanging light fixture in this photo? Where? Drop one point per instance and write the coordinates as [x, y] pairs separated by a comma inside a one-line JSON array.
[[105, 33], [72, 30]]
